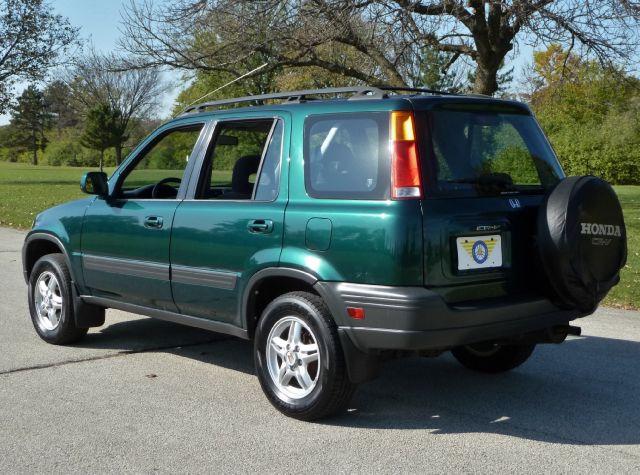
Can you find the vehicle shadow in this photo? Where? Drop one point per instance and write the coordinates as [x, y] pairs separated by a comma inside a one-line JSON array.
[[145, 334], [585, 391]]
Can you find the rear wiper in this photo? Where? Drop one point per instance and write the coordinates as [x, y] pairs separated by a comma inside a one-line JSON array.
[[495, 181]]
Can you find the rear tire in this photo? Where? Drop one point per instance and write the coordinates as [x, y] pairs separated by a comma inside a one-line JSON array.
[[491, 358], [299, 360], [51, 301]]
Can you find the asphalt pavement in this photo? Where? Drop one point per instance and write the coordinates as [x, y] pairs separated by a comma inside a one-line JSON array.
[[140, 395]]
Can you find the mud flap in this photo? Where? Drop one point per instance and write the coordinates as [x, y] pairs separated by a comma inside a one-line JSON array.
[[86, 315], [361, 367]]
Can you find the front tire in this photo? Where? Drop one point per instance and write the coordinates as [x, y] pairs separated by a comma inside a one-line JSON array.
[[51, 301], [299, 359], [492, 358]]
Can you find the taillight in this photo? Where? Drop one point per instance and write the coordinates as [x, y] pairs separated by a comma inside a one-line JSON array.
[[406, 179]]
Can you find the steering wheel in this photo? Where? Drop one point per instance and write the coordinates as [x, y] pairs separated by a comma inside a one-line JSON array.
[[162, 184]]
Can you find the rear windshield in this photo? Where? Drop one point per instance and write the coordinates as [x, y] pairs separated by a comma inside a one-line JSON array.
[[488, 153]]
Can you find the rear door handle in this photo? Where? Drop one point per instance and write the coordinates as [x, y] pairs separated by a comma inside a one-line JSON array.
[[264, 226], [153, 222]]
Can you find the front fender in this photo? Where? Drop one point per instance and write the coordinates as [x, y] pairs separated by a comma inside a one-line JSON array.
[[62, 226]]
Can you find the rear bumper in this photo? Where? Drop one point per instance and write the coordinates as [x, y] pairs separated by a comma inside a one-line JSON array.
[[416, 318]]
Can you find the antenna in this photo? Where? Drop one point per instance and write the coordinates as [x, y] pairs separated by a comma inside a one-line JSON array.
[[227, 84]]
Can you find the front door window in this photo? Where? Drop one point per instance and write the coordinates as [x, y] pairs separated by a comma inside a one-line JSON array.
[[157, 173]]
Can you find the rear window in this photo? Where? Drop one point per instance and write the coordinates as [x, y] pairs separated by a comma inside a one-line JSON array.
[[347, 155], [488, 153]]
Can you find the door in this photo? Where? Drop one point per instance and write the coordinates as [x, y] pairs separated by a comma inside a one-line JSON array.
[[232, 225], [486, 171], [125, 239]]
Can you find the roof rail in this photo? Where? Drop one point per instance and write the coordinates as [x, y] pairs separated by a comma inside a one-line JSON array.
[[416, 89], [356, 92], [359, 92]]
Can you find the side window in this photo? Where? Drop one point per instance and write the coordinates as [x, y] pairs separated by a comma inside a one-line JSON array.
[[158, 172], [239, 151], [347, 156], [269, 180]]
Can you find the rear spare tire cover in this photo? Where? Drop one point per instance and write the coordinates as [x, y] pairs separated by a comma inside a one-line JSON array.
[[582, 241]]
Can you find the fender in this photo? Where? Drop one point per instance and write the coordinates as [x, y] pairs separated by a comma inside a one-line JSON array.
[[270, 272], [38, 236]]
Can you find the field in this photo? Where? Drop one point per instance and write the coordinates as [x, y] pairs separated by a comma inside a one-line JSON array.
[[26, 190]]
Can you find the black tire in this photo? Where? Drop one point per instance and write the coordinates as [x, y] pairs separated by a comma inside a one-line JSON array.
[[486, 358], [333, 389], [66, 331]]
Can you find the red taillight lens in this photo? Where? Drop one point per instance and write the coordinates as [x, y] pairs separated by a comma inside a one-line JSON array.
[[406, 178]]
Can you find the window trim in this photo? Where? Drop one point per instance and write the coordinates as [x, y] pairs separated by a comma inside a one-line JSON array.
[[195, 188], [129, 165], [384, 162]]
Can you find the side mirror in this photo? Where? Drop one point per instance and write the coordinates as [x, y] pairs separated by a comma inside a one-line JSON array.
[[95, 183]]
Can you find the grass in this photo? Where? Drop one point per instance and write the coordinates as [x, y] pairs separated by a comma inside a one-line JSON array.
[[26, 190], [627, 293]]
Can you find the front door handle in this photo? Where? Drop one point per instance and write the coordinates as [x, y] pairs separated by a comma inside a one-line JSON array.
[[153, 222], [263, 226]]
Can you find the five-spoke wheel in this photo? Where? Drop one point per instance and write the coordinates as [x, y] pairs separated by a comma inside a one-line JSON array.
[[293, 358], [48, 301]]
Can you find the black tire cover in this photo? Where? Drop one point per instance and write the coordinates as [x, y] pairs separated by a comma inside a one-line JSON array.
[[582, 241]]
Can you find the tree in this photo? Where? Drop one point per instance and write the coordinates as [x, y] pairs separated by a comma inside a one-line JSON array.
[[590, 113], [29, 119], [385, 38], [435, 71], [31, 40], [102, 129], [134, 94], [58, 99]]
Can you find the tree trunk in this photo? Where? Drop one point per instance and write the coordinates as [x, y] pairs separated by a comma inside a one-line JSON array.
[[101, 158], [34, 144], [118, 154], [486, 77]]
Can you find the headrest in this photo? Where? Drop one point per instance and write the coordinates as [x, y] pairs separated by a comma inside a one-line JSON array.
[[242, 170]]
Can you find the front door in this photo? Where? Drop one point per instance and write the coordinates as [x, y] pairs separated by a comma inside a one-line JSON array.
[[125, 238], [233, 225]]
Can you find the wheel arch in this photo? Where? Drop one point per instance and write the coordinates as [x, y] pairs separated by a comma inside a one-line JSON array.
[[267, 284], [40, 244]]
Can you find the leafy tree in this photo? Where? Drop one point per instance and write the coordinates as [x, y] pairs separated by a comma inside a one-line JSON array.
[[58, 98], [29, 119], [102, 129], [591, 114], [31, 40], [384, 38], [435, 72]]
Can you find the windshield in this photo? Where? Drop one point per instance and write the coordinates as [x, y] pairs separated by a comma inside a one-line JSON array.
[[489, 153]]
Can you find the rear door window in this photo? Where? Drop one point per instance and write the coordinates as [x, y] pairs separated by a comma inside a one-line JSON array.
[[243, 161], [347, 155], [488, 153]]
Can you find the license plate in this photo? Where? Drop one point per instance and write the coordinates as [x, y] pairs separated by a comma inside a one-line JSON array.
[[479, 252]]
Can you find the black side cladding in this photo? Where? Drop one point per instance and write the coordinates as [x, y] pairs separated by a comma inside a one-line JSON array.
[[582, 241]]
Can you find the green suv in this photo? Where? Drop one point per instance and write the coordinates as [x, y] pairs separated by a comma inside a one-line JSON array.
[[337, 228]]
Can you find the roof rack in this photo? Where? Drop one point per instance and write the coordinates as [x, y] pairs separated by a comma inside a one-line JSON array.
[[357, 92]]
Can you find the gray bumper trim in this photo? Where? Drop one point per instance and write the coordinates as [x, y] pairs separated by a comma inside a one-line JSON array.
[[414, 318]]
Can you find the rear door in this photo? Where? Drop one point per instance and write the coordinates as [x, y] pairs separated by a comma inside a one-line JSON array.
[[231, 225], [486, 166]]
